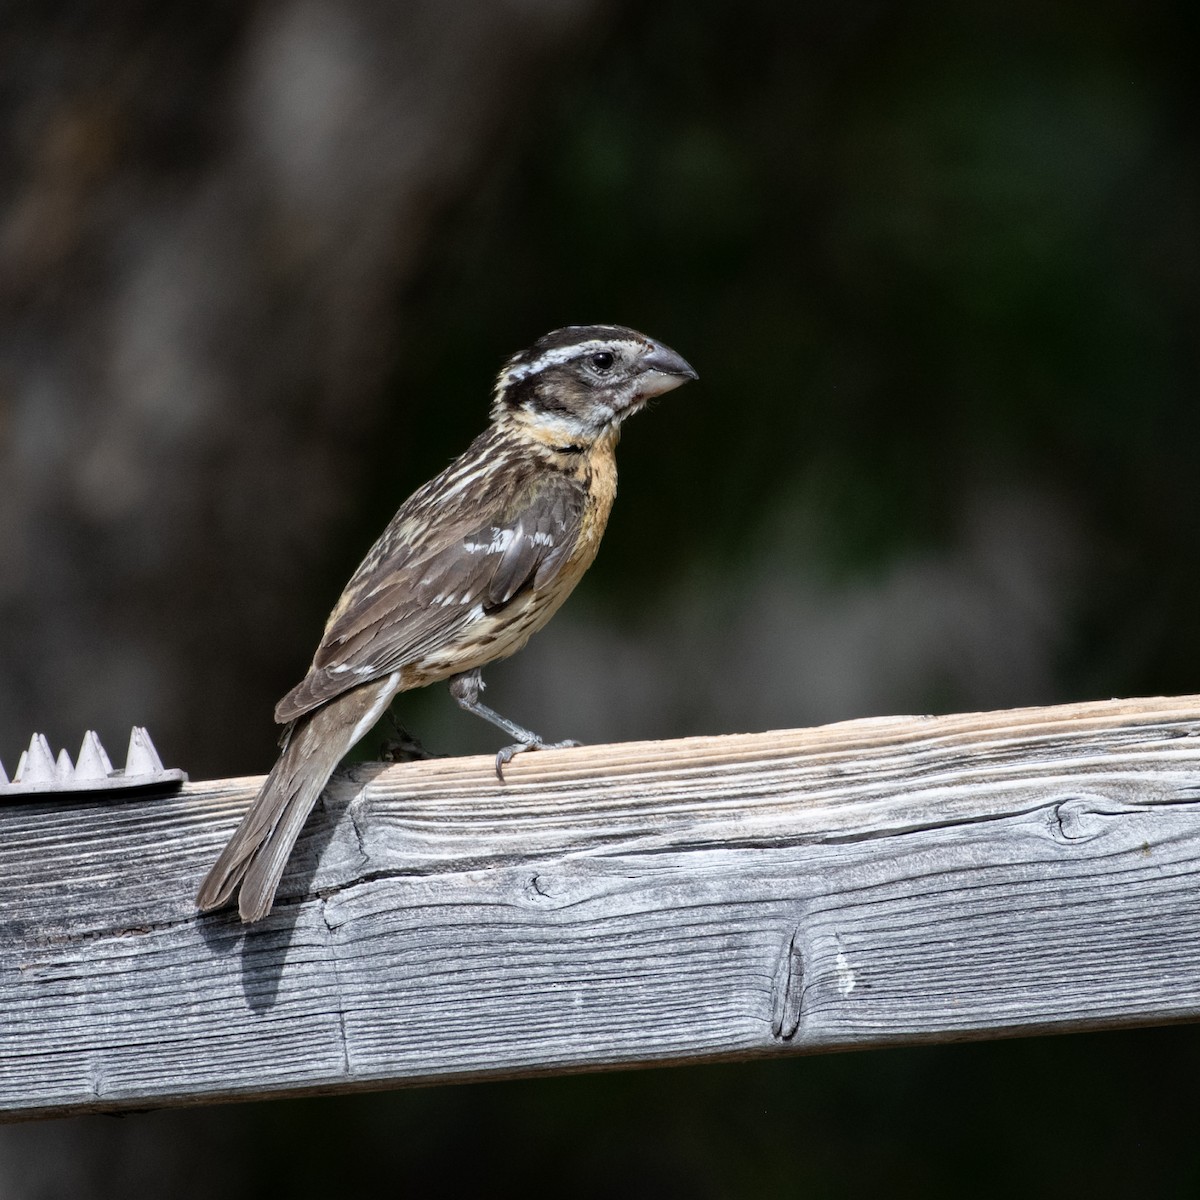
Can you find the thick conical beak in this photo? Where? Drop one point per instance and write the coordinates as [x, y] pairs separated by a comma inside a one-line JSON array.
[[663, 370], [664, 360]]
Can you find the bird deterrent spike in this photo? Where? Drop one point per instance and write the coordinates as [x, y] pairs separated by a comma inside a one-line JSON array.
[[93, 762], [39, 762], [40, 773], [141, 758]]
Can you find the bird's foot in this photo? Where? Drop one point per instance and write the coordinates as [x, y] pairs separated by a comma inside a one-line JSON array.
[[505, 756]]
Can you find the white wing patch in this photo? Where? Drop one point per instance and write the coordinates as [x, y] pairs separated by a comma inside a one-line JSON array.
[[501, 540]]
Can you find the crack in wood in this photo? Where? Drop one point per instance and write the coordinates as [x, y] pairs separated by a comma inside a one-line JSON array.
[[331, 946], [787, 991]]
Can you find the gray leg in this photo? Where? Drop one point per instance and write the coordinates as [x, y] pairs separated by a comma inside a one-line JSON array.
[[465, 689]]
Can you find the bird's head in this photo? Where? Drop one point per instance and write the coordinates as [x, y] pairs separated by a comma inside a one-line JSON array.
[[579, 383]]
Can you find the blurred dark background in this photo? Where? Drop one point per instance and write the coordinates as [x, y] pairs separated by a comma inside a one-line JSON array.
[[936, 264]]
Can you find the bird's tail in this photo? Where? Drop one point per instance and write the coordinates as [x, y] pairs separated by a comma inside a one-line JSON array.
[[257, 853]]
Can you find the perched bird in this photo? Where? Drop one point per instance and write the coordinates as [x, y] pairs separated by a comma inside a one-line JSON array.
[[472, 565]]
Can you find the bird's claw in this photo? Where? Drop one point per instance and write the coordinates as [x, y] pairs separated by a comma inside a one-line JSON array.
[[508, 753]]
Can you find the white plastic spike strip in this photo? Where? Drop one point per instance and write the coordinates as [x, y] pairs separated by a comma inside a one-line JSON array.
[[92, 762], [40, 772], [141, 758], [39, 762]]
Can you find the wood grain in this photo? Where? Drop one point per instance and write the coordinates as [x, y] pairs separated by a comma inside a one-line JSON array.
[[862, 884]]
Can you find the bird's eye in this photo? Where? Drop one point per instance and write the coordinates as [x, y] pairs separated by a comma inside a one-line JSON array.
[[602, 360]]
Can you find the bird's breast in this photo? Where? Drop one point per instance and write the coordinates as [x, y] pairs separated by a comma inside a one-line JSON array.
[[493, 635]]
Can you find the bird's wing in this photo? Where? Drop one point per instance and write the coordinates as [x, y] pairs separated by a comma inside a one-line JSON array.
[[428, 579]]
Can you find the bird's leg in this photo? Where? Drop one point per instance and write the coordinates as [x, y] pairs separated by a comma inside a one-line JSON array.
[[465, 689], [403, 747]]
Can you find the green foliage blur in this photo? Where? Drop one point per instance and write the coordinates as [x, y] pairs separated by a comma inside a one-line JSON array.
[[909, 248]]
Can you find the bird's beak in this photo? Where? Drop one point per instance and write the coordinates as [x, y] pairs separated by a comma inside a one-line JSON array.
[[663, 370]]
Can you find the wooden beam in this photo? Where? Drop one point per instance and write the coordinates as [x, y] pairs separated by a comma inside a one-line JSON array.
[[863, 884]]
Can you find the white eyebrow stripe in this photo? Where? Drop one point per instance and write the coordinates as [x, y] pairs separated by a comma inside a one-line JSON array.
[[560, 355]]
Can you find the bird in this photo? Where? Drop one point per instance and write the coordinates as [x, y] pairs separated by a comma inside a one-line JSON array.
[[474, 563]]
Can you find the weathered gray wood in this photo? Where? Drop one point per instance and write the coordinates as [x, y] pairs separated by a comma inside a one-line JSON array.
[[862, 884]]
